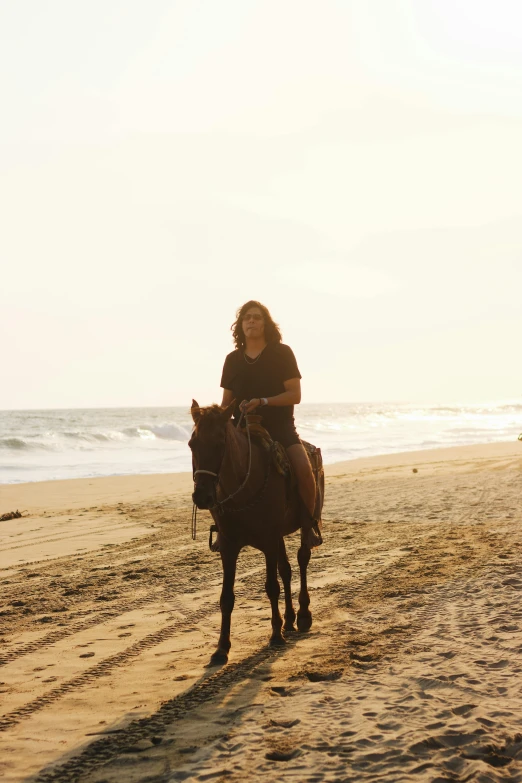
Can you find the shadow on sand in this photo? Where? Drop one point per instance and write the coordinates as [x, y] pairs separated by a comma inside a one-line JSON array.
[[112, 750]]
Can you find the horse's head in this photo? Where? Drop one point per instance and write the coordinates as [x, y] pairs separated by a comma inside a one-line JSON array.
[[208, 449]]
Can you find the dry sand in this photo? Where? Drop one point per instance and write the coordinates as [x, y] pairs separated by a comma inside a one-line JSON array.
[[412, 669]]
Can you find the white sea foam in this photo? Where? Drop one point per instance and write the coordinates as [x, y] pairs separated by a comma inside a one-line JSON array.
[[43, 445]]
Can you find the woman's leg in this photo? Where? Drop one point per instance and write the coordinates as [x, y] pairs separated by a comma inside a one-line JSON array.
[[304, 475], [307, 489]]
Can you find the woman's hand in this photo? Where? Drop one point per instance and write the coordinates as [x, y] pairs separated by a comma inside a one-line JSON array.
[[248, 407]]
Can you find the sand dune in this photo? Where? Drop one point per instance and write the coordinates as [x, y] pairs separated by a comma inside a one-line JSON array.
[[412, 669]]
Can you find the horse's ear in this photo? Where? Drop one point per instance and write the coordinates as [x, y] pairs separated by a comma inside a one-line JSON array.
[[195, 411], [227, 412]]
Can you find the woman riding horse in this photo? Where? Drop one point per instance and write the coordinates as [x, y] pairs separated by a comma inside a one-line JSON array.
[[263, 373]]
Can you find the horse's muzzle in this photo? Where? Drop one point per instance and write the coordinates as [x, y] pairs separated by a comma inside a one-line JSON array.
[[203, 497]]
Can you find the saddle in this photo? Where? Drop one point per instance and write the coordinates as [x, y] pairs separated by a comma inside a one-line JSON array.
[[280, 460]]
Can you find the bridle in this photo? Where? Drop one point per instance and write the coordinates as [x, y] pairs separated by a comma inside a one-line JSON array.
[[219, 505], [210, 473]]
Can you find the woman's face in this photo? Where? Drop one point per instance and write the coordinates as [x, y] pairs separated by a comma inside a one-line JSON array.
[[253, 323]]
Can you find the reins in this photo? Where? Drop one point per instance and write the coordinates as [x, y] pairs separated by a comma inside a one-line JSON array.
[[219, 505]]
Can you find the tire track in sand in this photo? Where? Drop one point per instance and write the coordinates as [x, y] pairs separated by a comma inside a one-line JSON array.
[[103, 750], [102, 669], [176, 580], [164, 593], [84, 625]]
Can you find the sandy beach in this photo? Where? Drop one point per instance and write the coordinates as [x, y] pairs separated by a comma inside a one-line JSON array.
[[412, 670]]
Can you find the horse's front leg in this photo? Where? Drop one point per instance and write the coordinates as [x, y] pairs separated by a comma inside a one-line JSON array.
[[272, 591], [304, 616], [226, 601], [286, 575]]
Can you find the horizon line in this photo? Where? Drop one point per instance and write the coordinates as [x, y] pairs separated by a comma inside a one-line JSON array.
[[337, 402]]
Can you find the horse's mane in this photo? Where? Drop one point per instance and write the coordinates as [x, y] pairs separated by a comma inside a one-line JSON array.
[[210, 419], [210, 411]]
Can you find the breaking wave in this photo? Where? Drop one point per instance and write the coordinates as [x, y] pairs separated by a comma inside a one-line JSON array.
[[163, 431], [54, 441], [14, 443]]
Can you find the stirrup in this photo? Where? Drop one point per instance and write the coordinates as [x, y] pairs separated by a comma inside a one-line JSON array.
[[213, 545]]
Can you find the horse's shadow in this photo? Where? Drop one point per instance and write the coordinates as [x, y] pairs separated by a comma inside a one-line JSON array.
[[213, 688]]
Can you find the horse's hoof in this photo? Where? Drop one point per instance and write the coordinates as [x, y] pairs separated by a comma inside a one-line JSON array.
[[218, 658], [277, 641], [304, 623], [288, 628]]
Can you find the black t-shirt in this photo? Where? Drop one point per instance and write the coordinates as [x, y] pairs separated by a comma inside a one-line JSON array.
[[263, 378]]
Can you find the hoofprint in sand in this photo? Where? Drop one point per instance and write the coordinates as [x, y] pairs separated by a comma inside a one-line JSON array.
[[412, 669]]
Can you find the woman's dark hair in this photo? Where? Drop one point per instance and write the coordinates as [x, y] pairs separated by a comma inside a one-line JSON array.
[[272, 331]]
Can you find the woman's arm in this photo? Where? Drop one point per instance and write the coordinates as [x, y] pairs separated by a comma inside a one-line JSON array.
[[291, 396], [228, 396]]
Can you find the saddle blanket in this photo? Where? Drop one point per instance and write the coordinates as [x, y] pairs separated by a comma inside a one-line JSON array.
[[279, 456]]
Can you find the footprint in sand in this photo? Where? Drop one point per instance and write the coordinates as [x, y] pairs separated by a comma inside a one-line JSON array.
[[486, 722], [497, 665], [280, 690], [281, 755], [463, 709], [324, 676]]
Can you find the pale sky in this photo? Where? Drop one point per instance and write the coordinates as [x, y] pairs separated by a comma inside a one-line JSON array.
[[356, 165]]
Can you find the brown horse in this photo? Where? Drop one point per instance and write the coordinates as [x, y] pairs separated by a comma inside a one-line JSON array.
[[252, 505]]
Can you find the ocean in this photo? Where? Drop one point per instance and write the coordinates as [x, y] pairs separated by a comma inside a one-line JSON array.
[[62, 444]]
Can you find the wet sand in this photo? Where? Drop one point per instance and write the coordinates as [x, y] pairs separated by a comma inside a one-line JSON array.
[[412, 669]]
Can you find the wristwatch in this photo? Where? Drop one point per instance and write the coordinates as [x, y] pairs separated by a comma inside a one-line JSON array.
[[263, 401]]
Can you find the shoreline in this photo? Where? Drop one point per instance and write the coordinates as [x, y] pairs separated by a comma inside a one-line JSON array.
[[153, 481]]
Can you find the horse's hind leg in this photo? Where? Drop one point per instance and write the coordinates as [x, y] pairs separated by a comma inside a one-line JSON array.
[[304, 616], [272, 591], [286, 575], [226, 602]]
